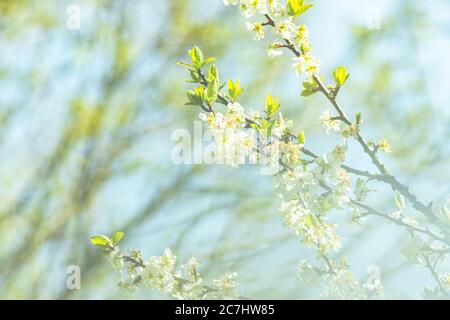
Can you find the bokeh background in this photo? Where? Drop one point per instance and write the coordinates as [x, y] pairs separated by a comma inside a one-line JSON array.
[[86, 117]]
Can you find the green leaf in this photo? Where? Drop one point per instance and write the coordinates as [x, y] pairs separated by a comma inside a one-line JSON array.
[[340, 75], [296, 7], [308, 85], [100, 240], [234, 89], [270, 127], [196, 96], [263, 123], [213, 73], [209, 60], [399, 202], [301, 137], [187, 65], [304, 8], [292, 7], [195, 77], [117, 237], [254, 126], [307, 93], [309, 88], [197, 57], [359, 118], [212, 90], [200, 91], [267, 125], [272, 106]]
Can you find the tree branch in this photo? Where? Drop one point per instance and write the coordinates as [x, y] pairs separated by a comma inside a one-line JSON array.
[[385, 176]]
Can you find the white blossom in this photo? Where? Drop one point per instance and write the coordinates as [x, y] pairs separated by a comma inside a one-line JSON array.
[[273, 53], [329, 123], [231, 2], [306, 64], [257, 29], [285, 28]]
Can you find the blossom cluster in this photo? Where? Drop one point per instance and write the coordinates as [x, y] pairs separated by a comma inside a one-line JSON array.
[[232, 143], [341, 283], [344, 285], [305, 202], [235, 141], [161, 273], [282, 18], [309, 191]]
